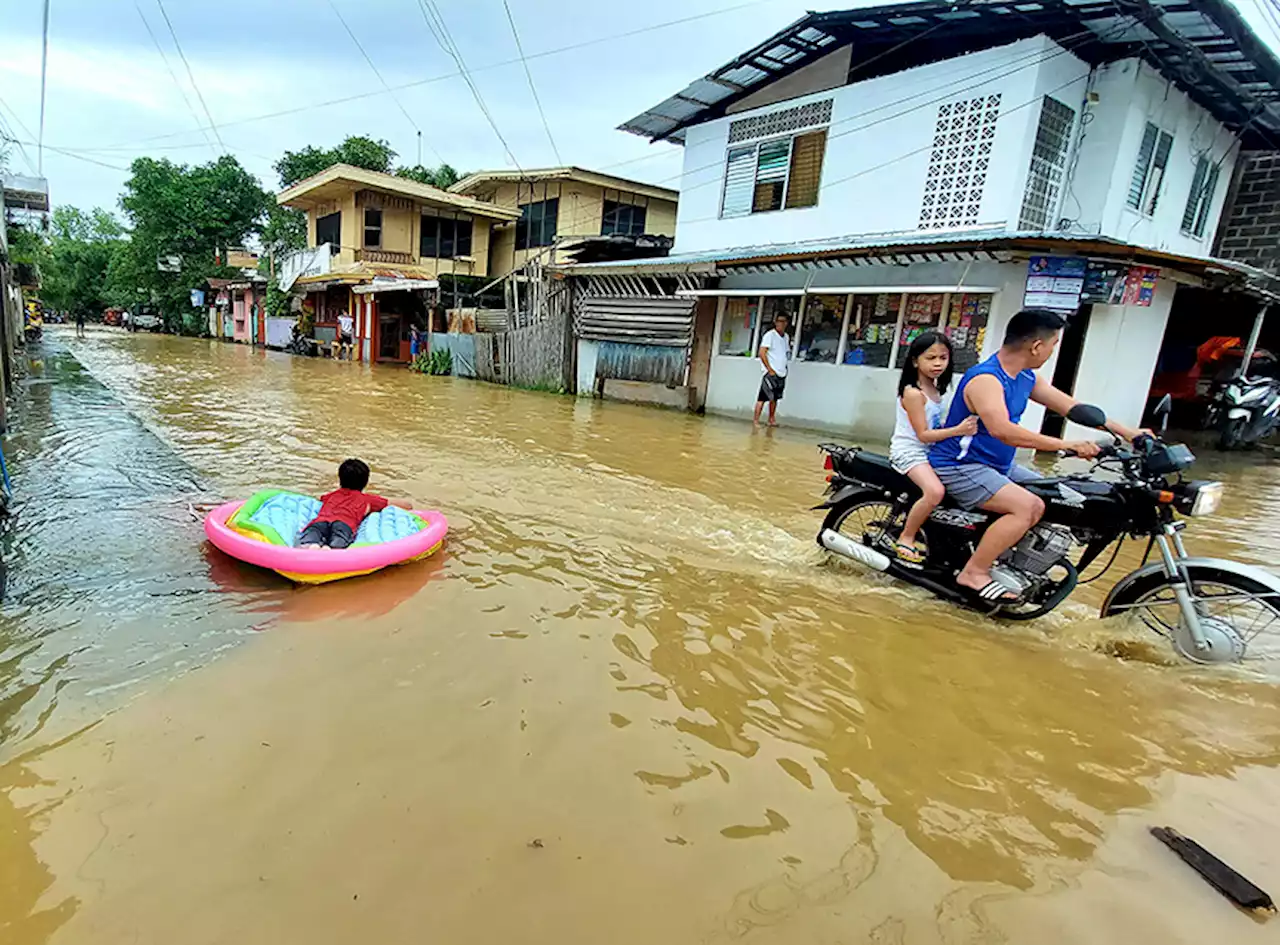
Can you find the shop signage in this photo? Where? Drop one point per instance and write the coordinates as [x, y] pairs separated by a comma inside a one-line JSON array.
[[1055, 282]]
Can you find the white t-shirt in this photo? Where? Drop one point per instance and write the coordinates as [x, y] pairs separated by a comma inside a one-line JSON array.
[[778, 350], [345, 324]]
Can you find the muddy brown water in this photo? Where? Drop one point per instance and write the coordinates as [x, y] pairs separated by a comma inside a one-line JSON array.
[[629, 702]]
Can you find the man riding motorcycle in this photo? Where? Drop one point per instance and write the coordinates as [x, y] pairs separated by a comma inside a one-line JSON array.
[[978, 471]]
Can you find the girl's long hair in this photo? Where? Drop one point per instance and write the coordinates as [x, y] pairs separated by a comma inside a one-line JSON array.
[[911, 374]]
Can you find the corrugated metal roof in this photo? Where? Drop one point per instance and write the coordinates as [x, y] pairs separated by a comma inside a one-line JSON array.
[[1203, 45], [921, 247]]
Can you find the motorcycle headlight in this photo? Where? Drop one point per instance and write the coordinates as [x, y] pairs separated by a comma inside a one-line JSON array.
[[1200, 498]]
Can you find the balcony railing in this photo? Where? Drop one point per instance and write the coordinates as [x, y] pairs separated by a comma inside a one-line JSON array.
[[383, 256]]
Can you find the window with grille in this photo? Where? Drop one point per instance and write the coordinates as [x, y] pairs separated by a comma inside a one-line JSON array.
[[1149, 168], [1203, 184], [1048, 165], [537, 224], [445, 238], [622, 219], [782, 173], [964, 135], [373, 229], [781, 122]]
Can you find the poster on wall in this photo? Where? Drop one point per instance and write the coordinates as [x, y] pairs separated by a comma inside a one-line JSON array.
[[1140, 287], [1055, 282], [1104, 283]]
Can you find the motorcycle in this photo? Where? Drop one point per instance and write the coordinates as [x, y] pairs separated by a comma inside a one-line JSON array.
[[1211, 610], [1244, 410]]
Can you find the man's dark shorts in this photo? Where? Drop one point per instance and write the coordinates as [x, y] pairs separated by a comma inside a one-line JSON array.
[[771, 388], [332, 534]]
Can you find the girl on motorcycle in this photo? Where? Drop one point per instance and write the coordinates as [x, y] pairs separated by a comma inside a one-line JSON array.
[[926, 375]]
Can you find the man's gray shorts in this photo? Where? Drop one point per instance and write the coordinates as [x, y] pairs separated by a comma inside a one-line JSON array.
[[971, 485]]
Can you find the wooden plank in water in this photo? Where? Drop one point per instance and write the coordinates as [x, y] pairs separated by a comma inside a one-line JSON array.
[[1218, 874]]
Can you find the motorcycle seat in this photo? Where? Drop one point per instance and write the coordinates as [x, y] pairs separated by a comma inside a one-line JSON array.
[[876, 468]]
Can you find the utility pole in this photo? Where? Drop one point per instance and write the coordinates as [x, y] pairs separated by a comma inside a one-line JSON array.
[[44, 70], [1253, 340]]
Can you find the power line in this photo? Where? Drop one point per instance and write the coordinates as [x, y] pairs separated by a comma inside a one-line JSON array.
[[440, 32], [155, 40], [10, 136], [74, 156], [559, 50], [1026, 61], [515, 34], [912, 153], [378, 73], [190, 75]]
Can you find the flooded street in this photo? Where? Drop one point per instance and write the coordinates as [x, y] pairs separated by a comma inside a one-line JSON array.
[[630, 701]]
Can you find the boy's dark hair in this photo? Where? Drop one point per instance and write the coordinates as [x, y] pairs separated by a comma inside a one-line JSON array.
[[910, 376], [1032, 324], [353, 474]]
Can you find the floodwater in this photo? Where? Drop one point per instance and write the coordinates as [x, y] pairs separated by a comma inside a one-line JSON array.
[[630, 702]]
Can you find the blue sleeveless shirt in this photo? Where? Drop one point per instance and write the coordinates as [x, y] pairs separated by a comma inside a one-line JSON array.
[[982, 447]]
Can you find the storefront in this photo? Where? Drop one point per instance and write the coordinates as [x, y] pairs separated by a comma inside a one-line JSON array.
[[848, 340], [855, 309]]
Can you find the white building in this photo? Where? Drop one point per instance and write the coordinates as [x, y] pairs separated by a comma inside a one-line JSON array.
[[878, 171]]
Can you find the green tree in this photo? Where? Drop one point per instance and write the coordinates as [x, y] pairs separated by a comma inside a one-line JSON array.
[[370, 153], [79, 252], [188, 212], [444, 176]]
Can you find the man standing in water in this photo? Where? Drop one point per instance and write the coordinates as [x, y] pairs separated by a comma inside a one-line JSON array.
[[979, 471], [775, 350], [79, 323], [346, 326]]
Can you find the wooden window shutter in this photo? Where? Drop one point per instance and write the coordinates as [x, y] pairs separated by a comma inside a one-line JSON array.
[[806, 169]]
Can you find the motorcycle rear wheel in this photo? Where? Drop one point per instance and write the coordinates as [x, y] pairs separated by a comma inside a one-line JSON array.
[[1234, 600], [869, 520]]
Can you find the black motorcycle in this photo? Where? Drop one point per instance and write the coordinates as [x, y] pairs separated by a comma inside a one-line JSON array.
[[1212, 610]]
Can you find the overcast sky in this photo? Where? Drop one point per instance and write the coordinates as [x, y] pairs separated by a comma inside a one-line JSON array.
[[111, 97]]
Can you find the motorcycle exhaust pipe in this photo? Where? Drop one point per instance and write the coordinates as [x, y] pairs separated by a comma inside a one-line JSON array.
[[834, 541]]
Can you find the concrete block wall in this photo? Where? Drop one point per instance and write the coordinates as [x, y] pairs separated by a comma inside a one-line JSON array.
[[1250, 228]]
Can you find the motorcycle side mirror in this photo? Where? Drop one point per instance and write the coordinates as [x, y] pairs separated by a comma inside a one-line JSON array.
[[1087, 415], [1161, 414]]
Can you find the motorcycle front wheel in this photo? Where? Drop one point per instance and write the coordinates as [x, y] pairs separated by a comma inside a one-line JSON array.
[[1240, 608]]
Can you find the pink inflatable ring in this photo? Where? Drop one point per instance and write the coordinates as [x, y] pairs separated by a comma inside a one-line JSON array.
[[258, 537]]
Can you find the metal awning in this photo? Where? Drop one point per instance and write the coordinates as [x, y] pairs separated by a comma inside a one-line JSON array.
[[904, 249], [395, 285], [1203, 45]]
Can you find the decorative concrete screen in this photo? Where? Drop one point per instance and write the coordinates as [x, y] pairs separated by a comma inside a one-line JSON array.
[[962, 143]]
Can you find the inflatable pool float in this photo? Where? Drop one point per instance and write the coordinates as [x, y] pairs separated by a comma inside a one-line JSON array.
[[262, 530]]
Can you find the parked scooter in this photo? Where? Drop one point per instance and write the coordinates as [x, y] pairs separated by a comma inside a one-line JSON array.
[[1211, 610], [1244, 411]]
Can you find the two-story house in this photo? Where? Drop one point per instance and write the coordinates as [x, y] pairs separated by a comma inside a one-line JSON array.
[[880, 171], [378, 245], [560, 207]]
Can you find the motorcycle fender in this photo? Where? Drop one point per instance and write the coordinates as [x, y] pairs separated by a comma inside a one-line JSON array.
[[844, 494], [1238, 413], [1265, 578]]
